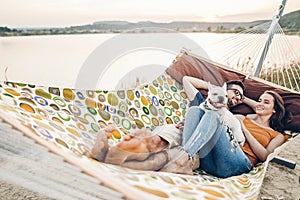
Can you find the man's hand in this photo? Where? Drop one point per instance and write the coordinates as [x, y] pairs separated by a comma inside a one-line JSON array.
[[250, 102]]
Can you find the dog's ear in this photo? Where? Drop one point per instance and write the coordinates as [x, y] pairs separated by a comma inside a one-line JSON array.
[[225, 86]]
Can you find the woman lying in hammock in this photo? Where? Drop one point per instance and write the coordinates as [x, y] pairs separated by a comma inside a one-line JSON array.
[[205, 135], [218, 153]]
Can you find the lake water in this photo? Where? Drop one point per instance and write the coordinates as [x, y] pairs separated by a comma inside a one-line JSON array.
[[62, 60]]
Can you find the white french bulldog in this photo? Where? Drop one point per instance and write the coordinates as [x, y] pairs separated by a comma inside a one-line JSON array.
[[217, 99]]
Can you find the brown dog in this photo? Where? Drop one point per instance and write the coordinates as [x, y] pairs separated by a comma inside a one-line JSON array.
[[142, 150]]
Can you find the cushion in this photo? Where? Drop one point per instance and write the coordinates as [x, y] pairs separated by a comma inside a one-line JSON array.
[[188, 65]]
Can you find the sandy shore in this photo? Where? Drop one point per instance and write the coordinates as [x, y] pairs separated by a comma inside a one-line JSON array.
[[282, 182], [13, 192]]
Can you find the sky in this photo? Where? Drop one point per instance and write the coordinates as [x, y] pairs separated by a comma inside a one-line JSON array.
[[65, 13]]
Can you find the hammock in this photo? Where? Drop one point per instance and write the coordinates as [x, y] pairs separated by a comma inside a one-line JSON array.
[[67, 121]]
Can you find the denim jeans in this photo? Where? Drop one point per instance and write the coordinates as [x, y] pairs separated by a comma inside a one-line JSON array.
[[197, 100], [204, 134]]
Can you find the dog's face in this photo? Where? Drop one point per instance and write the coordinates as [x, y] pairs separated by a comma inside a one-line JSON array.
[[217, 97]]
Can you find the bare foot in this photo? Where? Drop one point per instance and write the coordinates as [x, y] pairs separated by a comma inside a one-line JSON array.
[[101, 146], [179, 162]]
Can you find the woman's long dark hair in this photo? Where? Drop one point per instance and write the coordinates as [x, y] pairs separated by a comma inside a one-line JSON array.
[[277, 119]]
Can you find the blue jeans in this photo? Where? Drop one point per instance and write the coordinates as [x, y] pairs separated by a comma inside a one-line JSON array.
[[203, 133], [197, 100]]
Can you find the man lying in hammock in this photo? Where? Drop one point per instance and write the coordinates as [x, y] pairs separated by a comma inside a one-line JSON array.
[[162, 151], [154, 150]]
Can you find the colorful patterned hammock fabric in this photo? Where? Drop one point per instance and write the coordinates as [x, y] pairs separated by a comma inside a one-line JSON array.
[[68, 120]]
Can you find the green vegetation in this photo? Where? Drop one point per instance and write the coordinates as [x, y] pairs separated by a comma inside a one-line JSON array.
[[5, 31], [286, 76], [290, 23]]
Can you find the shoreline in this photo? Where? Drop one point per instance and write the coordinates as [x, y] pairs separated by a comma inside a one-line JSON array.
[[126, 32]]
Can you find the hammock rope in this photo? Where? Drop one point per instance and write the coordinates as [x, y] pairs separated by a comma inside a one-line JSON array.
[[244, 52]]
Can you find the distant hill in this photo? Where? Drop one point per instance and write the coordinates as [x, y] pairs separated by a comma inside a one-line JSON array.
[[291, 22], [182, 26]]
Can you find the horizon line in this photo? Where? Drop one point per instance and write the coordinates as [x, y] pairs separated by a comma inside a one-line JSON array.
[[134, 22]]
